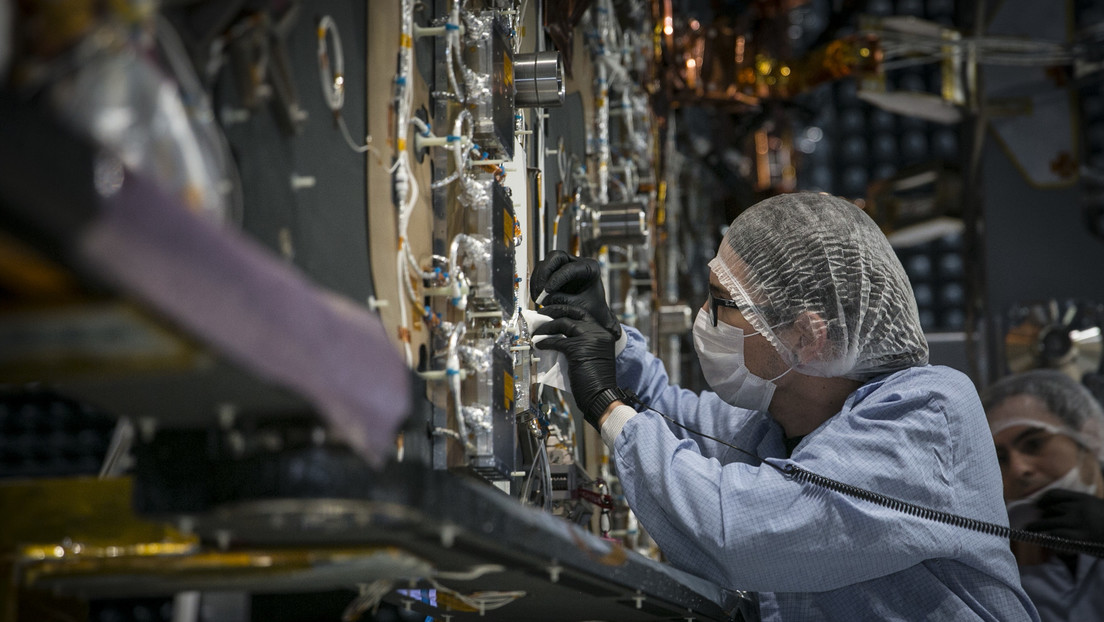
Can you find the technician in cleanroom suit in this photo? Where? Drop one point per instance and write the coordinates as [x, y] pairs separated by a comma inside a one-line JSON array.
[[1049, 434], [811, 343]]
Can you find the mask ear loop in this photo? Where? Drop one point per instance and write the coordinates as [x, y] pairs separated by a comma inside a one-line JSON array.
[[775, 379], [790, 354]]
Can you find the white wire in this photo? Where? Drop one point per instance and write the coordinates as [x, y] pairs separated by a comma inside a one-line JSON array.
[[481, 601], [349, 139], [406, 184], [118, 451], [332, 74], [460, 148], [454, 254], [528, 484], [452, 370], [369, 598], [520, 23], [404, 313], [472, 573], [406, 209], [449, 433], [452, 49]]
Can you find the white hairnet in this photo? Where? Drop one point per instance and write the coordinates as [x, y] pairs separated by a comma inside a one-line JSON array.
[[809, 252], [1073, 409]]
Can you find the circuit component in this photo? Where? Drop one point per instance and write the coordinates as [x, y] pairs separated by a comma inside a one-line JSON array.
[[503, 260], [494, 422], [490, 58]]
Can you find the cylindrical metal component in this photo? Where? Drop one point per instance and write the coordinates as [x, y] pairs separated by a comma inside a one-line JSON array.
[[539, 80], [613, 223]]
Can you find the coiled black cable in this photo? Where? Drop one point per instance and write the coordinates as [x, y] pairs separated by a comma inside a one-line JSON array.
[[1064, 545], [794, 472]]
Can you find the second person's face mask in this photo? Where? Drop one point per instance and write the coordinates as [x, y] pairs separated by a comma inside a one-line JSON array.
[[1023, 512], [721, 354]]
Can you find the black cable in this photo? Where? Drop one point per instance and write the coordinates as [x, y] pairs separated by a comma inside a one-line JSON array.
[[794, 472]]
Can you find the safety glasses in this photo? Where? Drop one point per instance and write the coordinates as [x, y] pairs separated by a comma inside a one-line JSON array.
[[715, 303]]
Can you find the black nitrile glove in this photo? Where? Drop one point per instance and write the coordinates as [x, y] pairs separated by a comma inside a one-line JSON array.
[[1068, 514], [574, 281], [589, 351]]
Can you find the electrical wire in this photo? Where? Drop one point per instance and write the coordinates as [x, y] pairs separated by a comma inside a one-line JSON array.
[[795, 472], [547, 468], [520, 24], [331, 73], [481, 601], [198, 104], [115, 460], [471, 574], [903, 49], [527, 484], [369, 598], [452, 372], [405, 184], [459, 142], [452, 50], [404, 313]]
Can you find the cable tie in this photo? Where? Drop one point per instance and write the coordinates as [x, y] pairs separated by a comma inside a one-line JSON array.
[[452, 138], [449, 26]]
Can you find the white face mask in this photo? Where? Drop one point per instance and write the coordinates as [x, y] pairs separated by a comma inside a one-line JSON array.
[[721, 354], [1023, 512]]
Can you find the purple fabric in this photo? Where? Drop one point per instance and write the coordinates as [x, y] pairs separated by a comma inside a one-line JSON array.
[[256, 310]]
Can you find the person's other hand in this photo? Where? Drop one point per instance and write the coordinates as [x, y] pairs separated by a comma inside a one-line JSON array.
[[589, 351], [574, 281], [1072, 515]]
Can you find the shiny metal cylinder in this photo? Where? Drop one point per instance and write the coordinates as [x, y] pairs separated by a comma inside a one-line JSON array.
[[613, 223], [539, 80]]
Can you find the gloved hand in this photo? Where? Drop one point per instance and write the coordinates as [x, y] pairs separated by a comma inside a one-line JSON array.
[[574, 281], [589, 351], [1068, 514]]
